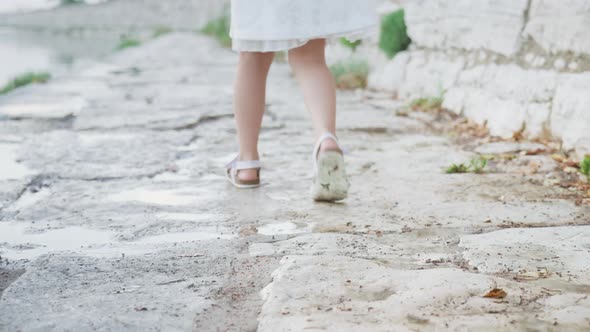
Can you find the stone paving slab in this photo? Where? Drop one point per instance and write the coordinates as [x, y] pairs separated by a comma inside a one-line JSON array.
[[128, 194], [346, 294]]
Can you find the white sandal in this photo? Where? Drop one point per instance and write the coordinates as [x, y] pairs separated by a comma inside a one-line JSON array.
[[330, 182], [236, 165]]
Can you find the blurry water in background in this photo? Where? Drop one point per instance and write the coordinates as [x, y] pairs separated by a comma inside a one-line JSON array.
[[19, 6], [27, 50], [18, 57], [42, 35]]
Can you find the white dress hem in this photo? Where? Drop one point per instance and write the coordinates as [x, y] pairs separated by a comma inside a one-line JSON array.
[[264, 46]]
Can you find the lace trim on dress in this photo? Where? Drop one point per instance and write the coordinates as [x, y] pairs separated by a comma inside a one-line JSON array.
[[241, 45]]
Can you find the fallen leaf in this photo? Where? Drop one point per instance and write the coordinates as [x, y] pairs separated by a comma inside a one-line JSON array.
[[496, 293], [535, 152], [558, 158]]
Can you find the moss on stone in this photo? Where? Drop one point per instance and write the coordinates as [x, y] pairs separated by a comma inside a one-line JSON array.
[[25, 79], [219, 29], [394, 35]]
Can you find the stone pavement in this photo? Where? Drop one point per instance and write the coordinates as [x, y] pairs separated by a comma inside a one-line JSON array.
[[116, 215]]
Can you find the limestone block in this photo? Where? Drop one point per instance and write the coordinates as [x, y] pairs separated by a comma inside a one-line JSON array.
[[570, 118], [335, 293], [534, 253], [560, 26], [512, 82], [537, 119], [391, 76], [465, 24], [455, 100], [505, 97], [504, 117], [430, 74]]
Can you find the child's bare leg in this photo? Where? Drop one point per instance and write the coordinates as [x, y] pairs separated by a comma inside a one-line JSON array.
[[249, 101], [317, 83]]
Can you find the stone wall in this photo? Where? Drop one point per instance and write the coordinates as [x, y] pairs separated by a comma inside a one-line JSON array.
[[512, 64]]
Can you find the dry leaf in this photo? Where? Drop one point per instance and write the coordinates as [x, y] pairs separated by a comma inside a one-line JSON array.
[[558, 158], [496, 293]]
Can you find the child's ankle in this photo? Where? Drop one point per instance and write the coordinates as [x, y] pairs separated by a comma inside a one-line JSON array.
[[249, 156]]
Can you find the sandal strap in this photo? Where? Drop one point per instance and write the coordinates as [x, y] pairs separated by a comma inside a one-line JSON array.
[[325, 136], [247, 164], [239, 165]]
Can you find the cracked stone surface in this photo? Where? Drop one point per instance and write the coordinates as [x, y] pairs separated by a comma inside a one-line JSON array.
[[115, 215]]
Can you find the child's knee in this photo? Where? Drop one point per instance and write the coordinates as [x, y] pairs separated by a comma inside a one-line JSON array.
[[309, 54], [256, 58]]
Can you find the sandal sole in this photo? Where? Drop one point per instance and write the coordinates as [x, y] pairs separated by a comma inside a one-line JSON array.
[[331, 183]]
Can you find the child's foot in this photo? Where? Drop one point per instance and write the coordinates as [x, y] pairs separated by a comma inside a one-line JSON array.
[[244, 174], [248, 175], [330, 182]]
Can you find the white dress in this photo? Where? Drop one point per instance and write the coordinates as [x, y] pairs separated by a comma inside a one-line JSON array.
[[279, 25]]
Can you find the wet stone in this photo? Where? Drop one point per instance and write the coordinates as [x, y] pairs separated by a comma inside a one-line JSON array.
[[122, 216], [95, 155]]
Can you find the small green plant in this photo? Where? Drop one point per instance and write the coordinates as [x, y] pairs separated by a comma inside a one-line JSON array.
[[585, 167], [71, 2], [219, 29], [350, 74], [394, 34], [25, 79], [457, 168], [427, 104], [160, 31], [476, 165], [353, 45], [280, 57], [127, 42]]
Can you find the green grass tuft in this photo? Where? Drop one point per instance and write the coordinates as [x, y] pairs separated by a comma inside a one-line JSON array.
[[161, 31], [127, 42], [585, 167], [394, 34], [71, 2], [349, 44], [219, 29], [427, 104], [476, 165], [25, 79], [351, 74]]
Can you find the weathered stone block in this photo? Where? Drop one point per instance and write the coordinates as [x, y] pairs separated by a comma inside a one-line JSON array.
[[430, 74], [506, 97], [465, 24], [560, 26], [570, 119], [391, 76]]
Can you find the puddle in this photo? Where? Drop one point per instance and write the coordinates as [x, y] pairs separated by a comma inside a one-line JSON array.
[[158, 197], [74, 239], [184, 237], [20, 58], [23, 6], [9, 168], [46, 108], [29, 199], [284, 228], [186, 217], [17, 242], [94, 139]]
